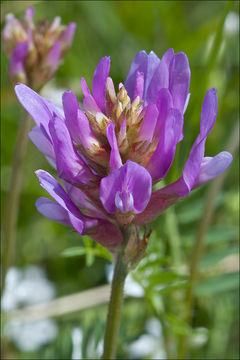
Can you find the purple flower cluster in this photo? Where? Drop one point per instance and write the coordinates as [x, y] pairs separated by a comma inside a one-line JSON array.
[[35, 50], [109, 154]]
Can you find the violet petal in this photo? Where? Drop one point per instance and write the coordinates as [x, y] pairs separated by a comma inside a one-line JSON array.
[[212, 167], [52, 211], [77, 122], [130, 178], [58, 193], [85, 88], [35, 105], [145, 63], [139, 85], [115, 158], [67, 37], [29, 13], [167, 196], [164, 103], [16, 67], [99, 82], [41, 141], [148, 124], [162, 158], [179, 80], [53, 58], [160, 79], [70, 166]]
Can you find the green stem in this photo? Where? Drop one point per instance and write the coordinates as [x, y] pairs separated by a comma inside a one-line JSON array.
[[116, 299], [114, 310], [12, 198]]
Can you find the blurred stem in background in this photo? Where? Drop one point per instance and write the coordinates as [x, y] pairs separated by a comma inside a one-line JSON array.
[[204, 223], [171, 225], [211, 195], [12, 198], [211, 61]]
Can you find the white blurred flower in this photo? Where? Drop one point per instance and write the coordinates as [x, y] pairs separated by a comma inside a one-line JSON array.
[[27, 287], [31, 336], [231, 24], [149, 345], [199, 337], [77, 337]]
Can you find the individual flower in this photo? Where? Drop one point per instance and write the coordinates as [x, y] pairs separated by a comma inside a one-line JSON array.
[[35, 50], [111, 152]]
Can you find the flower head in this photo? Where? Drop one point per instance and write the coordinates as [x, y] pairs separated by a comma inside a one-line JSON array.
[[35, 50], [111, 152]]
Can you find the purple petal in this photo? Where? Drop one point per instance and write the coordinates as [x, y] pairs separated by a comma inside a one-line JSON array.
[[162, 158], [70, 107], [159, 80], [77, 122], [85, 88], [53, 211], [132, 180], [139, 85], [29, 13], [34, 104], [167, 57], [167, 196], [146, 64], [16, 69], [164, 103], [99, 82], [53, 58], [42, 142], [208, 117], [48, 182], [149, 123], [212, 167], [70, 166], [56, 191], [139, 64], [83, 201], [90, 105], [115, 158], [67, 37], [54, 109], [179, 80]]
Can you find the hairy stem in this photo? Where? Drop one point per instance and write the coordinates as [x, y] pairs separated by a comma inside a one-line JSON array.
[[12, 198], [115, 305], [114, 309]]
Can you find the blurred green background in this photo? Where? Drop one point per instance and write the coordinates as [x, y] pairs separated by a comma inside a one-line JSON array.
[[208, 32]]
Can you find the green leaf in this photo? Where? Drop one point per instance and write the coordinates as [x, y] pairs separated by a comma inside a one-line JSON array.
[[217, 284], [217, 255], [80, 250], [178, 326], [164, 277]]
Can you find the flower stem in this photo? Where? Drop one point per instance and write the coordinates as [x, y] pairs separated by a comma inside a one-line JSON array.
[[12, 198], [114, 310]]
